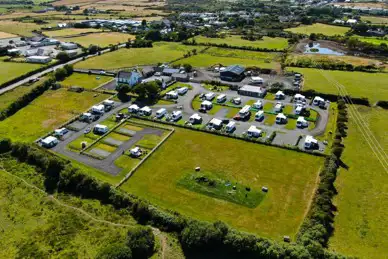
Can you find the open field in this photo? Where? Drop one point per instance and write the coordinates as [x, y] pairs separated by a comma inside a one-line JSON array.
[[375, 19], [249, 164], [68, 32], [373, 40], [10, 96], [5, 35], [361, 223], [11, 70], [321, 59], [85, 80], [103, 39], [234, 40], [363, 4], [374, 86], [160, 52], [325, 29], [215, 56], [20, 28], [31, 220], [46, 113]]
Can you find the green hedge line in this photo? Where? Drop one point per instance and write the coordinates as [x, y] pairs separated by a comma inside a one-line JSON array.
[[318, 226], [195, 236]]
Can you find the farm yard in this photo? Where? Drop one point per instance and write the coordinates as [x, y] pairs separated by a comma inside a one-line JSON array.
[[236, 40], [253, 165], [46, 113], [11, 70], [86, 81], [358, 84], [329, 30], [361, 219], [103, 39], [160, 52]]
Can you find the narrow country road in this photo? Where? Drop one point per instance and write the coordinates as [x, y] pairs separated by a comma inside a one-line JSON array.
[[40, 74]]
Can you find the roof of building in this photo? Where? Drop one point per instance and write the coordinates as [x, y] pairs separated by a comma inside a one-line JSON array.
[[125, 74], [171, 70], [179, 75], [39, 57], [236, 69], [252, 88]]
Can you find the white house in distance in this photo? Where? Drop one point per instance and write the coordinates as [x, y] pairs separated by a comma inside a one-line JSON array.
[[130, 78], [38, 59], [195, 119], [301, 122], [100, 129], [310, 143], [253, 132], [279, 95], [133, 108], [281, 118], [49, 142]]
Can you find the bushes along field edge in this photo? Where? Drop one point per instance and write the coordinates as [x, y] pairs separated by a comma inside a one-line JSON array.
[[194, 235]]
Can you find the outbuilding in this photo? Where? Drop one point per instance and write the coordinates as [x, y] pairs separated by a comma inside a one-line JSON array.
[[234, 73], [281, 118], [39, 59], [254, 91], [254, 132], [49, 142]]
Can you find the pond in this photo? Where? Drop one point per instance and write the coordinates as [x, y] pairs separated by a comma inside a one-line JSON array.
[[317, 49]]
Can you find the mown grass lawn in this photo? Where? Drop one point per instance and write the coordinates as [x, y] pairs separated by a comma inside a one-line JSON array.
[[19, 28], [86, 81], [373, 40], [329, 30], [373, 86], [236, 40], [280, 213], [11, 70], [103, 39], [46, 113], [361, 223], [159, 53]]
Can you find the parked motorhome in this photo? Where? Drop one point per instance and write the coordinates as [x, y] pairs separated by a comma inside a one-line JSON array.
[[49, 142], [176, 115], [210, 96], [172, 95], [133, 108], [258, 104], [311, 143], [221, 98], [281, 118], [161, 113], [145, 111], [259, 116], [254, 132], [230, 127], [215, 124], [301, 122], [206, 105], [182, 90], [279, 95], [98, 109], [245, 112], [100, 129]]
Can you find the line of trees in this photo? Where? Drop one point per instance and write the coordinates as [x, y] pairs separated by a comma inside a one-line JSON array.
[[196, 237], [317, 228]]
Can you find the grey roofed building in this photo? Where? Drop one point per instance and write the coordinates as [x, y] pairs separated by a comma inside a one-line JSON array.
[[180, 77], [250, 90], [170, 71], [233, 73]]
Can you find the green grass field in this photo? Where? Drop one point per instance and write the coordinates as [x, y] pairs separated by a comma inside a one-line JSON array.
[[161, 52], [373, 40], [280, 213], [375, 19], [103, 39], [69, 32], [234, 40], [85, 80], [11, 70], [46, 113], [35, 226], [361, 223], [358, 84], [20, 28], [325, 29], [215, 56]]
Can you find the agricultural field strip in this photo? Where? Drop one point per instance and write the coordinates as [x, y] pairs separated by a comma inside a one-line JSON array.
[[368, 135]]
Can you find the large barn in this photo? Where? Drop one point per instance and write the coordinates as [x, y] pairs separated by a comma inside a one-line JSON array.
[[233, 73]]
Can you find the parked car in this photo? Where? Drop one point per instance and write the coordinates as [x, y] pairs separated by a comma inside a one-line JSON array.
[[87, 130]]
